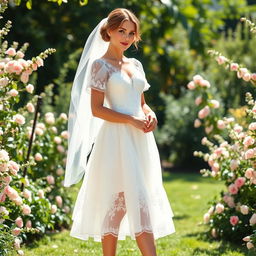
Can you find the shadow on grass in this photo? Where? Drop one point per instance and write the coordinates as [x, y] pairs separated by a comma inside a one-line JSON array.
[[224, 246]]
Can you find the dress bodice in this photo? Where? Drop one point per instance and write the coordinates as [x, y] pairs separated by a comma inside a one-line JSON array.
[[122, 92]]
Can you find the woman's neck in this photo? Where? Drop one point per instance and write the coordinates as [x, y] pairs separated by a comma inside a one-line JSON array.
[[114, 54]]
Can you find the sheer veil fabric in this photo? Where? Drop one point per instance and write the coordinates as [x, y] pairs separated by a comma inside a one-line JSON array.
[[82, 125]]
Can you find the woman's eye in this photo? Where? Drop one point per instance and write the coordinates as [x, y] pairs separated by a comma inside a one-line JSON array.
[[121, 31], [132, 33]]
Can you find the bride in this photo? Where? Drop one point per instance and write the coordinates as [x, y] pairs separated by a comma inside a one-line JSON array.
[[122, 192]]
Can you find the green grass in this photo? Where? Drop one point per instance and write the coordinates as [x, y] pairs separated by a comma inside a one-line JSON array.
[[188, 195]]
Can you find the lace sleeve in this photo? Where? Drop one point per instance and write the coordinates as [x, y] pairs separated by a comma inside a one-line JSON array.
[[140, 68], [99, 76]]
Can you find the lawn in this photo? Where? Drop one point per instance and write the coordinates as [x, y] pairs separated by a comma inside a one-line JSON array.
[[188, 194]]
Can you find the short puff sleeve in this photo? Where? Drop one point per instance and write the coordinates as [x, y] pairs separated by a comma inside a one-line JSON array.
[[99, 76], [140, 68]]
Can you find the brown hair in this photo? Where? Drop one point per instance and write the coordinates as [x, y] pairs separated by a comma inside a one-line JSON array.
[[115, 19]]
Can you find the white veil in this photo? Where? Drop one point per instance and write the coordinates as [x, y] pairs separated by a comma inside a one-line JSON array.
[[82, 125]]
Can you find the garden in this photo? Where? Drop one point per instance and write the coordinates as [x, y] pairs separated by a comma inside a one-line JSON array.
[[198, 57]]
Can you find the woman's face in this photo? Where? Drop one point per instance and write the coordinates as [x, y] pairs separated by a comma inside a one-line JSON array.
[[124, 35]]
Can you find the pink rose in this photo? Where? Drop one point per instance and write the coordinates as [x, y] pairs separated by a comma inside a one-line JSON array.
[[57, 140], [197, 123], [249, 173], [252, 126], [11, 192], [204, 112], [11, 52], [64, 134], [198, 100], [253, 76], [17, 200], [13, 92], [24, 77], [253, 219], [219, 208], [39, 61], [191, 85], [26, 209], [19, 222], [2, 197], [38, 157], [59, 200], [197, 79], [234, 164], [4, 81], [206, 218], [26, 193], [221, 124], [60, 171], [208, 129], [221, 60], [204, 83], [30, 88], [249, 245], [247, 77], [53, 209], [247, 238], [19, 119], [30, 107], [4, 156], [20, 54], [28, 224], [40, 193], [239, 182], [248, 141], [50, 179], [233, 220], [64, 116], [249, 154], [16, 231], [244, 209], [60, 149], [13, 167], [232, 188], [234, 66]]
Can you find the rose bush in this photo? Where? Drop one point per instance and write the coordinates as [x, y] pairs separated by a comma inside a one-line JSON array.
[[42, 204], [231, 143]]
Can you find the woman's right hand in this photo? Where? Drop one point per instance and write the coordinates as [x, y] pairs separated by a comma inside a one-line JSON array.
[[139, 122]]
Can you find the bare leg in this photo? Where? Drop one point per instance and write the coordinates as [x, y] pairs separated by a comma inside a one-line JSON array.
[[112, 221], [146, 244]]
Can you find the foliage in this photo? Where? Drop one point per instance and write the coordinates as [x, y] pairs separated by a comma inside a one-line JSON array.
[[30, 205]]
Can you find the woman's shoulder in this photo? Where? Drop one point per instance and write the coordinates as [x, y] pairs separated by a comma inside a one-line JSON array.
[[136, 62]]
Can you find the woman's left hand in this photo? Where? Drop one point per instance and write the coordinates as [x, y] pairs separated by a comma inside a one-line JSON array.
[[152, 121]]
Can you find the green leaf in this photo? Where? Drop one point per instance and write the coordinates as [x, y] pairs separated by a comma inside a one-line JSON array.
[[29, 4], [83, 2]]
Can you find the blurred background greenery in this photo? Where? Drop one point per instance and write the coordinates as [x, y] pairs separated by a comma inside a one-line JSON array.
[[176, 36]]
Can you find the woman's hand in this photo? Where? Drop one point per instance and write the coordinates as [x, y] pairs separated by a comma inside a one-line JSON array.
[[152, 122], [139, 122]]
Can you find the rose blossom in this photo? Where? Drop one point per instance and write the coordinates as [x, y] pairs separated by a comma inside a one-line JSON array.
[[53, 209], [19, 119], [191, 85], [16, 231], [198, 100], [30, 107], [248, 141], [247, 238], [215, 103], [59, 200], [39, 61], [249, 245], [64, 116], [234, 66], [208, 129], [253, 219], [49, 118], [40, 193], [197, 79], [64, 134], [30, 88], [4, 156], [204, 112], [233, 220], [221, 59], [13, 167], [206, 218], [234, 164], [26, 193], [39, 131], [24, 77], [253, 76], [219, 208], [244, 209], [57, 140], [232, 188], [60, 171], [249, 154], [60, 149], [221, 124], [50, 179], [19, 222], [11, 51], [239, 182], [38, 157], [28, 224], [252, 126], [26, 209], [17, 242], [249, 173], [204, 83]]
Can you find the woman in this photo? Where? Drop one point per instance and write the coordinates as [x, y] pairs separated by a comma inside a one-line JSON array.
[[122, 192]]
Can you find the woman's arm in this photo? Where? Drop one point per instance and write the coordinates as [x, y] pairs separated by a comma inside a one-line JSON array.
[[98, 110], [150, 114]]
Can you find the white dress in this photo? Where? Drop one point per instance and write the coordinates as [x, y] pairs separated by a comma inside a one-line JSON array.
[[123, 178]]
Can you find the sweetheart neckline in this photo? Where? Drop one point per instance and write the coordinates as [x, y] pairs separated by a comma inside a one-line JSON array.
[[117, 69]]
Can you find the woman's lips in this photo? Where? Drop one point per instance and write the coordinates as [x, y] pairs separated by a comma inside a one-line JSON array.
[[124, 43]]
